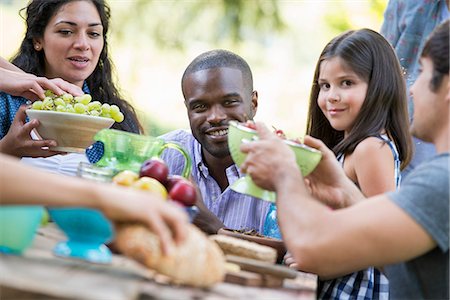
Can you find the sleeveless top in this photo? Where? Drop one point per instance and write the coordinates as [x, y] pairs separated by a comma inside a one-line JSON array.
[[369, 283]]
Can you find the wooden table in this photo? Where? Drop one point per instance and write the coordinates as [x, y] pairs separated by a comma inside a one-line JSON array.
[[38, 274]]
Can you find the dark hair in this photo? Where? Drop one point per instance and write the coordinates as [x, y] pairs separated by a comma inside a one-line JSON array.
[[100, 83], [372, 58], [220, 59], [436, 48]]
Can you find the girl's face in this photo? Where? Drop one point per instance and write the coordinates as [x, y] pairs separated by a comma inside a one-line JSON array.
[[72, 42], [341, 94]]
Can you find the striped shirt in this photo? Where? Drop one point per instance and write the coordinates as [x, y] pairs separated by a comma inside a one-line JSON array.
[[235, 210]]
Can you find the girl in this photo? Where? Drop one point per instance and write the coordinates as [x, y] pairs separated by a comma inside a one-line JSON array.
[[358, 108], [67, 39]]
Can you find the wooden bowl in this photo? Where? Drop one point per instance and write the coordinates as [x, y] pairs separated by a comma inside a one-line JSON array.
[[262, 240]]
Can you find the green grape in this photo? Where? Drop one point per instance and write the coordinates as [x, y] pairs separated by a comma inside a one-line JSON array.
[[95, 113], [61, 108], [59, 101], [95, 105], [67, 98], [38, 105], [114, 109], [69, 108], [106, 108], [49, 93], [86, 99], [118, 117], [48, 104], [79, 108]]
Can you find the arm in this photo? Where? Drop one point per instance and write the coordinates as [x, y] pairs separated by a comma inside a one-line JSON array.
[[375, 175], [18, 83], [205, 219], [21, 184], [333, 242]]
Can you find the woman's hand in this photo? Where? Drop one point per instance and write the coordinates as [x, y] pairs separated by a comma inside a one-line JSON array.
[[269, 159], [18, 142], [33, 87], [289, 261]]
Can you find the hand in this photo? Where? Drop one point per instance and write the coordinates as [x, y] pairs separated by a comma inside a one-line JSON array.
[[164, 219], [205, 219], [32, 87], [328, 182], [289, 261], [18, 142], [269, 159]]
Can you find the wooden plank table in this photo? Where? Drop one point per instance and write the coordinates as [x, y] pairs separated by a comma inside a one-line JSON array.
[[38, 274]]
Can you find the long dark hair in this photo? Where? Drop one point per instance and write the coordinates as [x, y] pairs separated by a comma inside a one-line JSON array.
[[100, 83], [371, 57]]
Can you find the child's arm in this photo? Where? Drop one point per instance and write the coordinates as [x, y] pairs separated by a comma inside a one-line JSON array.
[[371, 166]]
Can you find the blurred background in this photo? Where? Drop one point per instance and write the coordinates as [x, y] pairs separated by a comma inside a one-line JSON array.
[[153, 41]]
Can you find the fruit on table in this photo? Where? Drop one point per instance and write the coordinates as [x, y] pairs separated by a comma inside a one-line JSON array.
[[78, 105], [184, 192], [155, 168], [172, 180], [126, 178], [151, 185]]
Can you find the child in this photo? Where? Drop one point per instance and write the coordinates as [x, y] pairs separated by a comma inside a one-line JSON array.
[[358, 107]]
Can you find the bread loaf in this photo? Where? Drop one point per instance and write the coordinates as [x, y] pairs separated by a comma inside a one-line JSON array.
[[197, 262], [239, 247]]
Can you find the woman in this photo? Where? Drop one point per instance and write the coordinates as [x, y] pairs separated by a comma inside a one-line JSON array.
[[67, 39]]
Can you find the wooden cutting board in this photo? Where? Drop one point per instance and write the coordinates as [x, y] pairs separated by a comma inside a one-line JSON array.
[[257, 273]]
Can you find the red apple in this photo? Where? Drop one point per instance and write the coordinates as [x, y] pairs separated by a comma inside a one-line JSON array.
[[155, 168], [184, 192], [172, 180]]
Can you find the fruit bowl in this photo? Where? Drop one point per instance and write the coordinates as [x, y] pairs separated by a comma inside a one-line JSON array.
[[87, 231], [18, 225], [307, 159], [260, 239], [72, 132]]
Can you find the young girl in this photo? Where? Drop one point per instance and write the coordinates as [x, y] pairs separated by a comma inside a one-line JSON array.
[[358, 108], [66, 39]]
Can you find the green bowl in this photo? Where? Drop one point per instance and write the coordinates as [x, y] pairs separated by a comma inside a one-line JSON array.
[[18, 225], [307, 158]]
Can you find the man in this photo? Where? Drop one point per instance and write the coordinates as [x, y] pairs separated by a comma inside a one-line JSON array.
[[406, 231], [217, 87]]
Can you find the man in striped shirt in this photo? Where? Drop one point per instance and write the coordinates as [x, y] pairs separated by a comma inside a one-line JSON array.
[[217, 87]]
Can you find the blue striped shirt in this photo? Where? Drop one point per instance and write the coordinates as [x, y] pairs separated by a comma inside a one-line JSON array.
[[235, 210]]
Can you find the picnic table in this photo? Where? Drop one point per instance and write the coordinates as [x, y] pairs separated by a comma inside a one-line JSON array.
[[38, 274]]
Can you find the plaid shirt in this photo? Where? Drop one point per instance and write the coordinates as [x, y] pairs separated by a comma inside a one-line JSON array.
[[235, 210], [369, 283]]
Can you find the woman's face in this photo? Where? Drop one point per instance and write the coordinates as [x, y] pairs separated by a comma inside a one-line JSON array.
[[72, 42], [342, 93]]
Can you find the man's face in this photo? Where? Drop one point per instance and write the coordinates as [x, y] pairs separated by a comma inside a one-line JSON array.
[[213, 97], [429, 105]]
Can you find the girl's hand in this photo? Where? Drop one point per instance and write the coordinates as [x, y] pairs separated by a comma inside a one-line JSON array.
[[32, 87], [269, 159], [18, 142]]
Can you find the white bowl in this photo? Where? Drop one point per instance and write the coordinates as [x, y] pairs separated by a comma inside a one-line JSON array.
[[72, 132]]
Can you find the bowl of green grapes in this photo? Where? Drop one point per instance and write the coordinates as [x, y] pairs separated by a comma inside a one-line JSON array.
[[72, 121]]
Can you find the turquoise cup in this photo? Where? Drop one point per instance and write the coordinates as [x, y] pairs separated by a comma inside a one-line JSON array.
[[18, 225]]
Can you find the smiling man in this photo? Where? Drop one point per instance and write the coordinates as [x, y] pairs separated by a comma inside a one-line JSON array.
[[217, 87]]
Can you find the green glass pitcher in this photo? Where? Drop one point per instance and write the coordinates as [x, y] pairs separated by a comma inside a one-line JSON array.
[[127, 151]]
